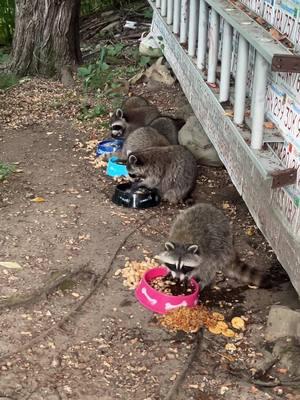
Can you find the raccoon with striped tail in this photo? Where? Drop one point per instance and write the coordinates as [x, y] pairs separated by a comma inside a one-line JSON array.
[[167, 127], [134, 113], [172, 170], [142, 138], [200, 244]]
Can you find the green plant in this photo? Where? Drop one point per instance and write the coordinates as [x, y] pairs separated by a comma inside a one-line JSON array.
[[148, 13], [91, 113], [6, 170], [95, 75], [7, 21], [7, 80]]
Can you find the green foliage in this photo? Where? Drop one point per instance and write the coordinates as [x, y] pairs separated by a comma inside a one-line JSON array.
[[6, 170], [148, 13], [7, 80], [3, 56], [96, 111], [7, 21], [97, 74]]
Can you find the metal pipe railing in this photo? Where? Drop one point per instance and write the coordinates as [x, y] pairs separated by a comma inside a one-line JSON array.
[[163, 8], [258, 104], [170, 7], [184, 21], [201, 31], [202, 35], [213, 46], [226, 62], [241, 81], [176, 17], [193, 20]]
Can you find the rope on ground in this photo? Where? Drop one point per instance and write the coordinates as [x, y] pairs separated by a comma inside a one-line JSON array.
[[97, 281], [52, 283], [174, 390]]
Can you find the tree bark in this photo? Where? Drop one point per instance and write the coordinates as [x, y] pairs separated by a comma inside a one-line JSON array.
[[46, 37]]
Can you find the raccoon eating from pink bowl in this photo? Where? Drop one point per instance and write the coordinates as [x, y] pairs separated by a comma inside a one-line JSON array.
[[159, 302]]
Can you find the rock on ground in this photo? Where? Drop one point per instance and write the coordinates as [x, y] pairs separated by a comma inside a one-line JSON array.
[[193, 136], [282, 322]]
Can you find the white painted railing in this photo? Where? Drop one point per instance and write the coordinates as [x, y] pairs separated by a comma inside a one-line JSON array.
[[197, 23], [225, 63]]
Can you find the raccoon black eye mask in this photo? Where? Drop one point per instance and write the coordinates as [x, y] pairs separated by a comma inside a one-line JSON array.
[[184, 269]]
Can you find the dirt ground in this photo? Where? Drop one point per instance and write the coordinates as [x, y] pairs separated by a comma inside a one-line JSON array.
[[111, 347]]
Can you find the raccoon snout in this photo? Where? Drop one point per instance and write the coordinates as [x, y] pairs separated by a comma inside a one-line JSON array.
[[134, 177], [116, 134]]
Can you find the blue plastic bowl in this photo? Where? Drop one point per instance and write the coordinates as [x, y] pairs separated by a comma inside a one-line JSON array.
[[109, 146], [115, 169]]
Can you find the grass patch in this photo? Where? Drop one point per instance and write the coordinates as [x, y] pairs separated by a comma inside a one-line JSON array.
[[7, 80], [6, 170]]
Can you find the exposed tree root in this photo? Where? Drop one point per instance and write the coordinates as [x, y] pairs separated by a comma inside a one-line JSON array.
[[97, 281], [50, 285], [174, 391]]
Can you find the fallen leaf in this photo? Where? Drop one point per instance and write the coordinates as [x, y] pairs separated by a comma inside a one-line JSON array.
[[238, 323], [10, 265], [38, 200]]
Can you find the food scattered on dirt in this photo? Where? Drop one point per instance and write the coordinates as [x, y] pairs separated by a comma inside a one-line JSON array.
[[218, 316], [172, 286], [99, 162], [228, 333], [238, 323], [134, 270], [230, 347], [188, 319]]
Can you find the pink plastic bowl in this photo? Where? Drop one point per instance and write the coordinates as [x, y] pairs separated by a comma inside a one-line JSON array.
[[159, 302]]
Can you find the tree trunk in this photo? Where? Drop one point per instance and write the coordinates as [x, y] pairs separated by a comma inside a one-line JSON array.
[[46, 37]]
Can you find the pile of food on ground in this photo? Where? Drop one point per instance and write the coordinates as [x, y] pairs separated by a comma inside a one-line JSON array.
[[191, 319], [172, 287], [134, 270]]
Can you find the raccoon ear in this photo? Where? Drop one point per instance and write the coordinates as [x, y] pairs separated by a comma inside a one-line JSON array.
[[111, 114], [193, 249], [132, 159], [119, 113], [169, 246]]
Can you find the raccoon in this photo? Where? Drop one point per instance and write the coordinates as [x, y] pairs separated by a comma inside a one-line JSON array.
[[170, 169], [141, 139], [201, 244], [166, 126], [132, 116]]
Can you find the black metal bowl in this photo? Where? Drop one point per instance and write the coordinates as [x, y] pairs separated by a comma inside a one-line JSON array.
[[127, 195]]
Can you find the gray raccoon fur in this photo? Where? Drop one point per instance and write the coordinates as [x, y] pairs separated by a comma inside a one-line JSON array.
[[200, 244], [134, 102], [166, 127], [170, 169], [132, 116], [141, 139]]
